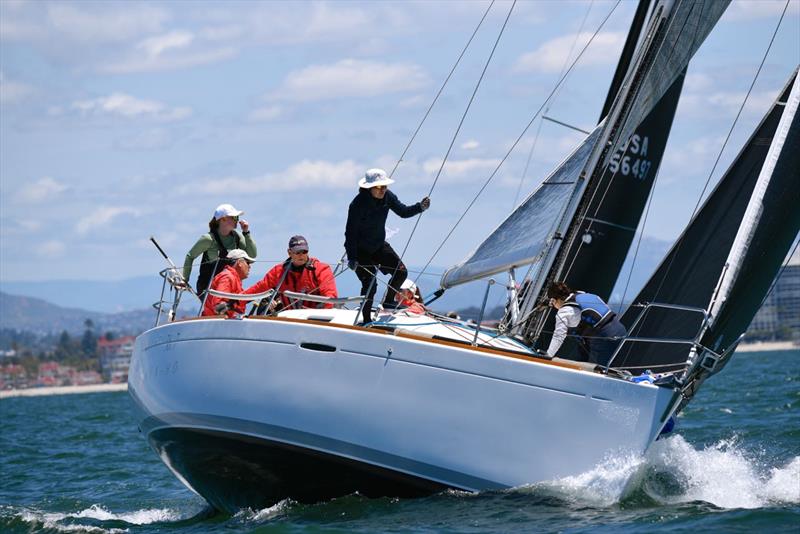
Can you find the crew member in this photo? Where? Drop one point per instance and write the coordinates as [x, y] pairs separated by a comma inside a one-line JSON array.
[[365, 236], [229, 280], [587, 316], [300, 274], [410, 298], [222, 237]]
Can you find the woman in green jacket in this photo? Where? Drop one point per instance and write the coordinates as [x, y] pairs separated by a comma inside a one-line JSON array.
[[222, 236]]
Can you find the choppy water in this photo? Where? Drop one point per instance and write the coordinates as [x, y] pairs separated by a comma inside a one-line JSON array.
[[76, 463]]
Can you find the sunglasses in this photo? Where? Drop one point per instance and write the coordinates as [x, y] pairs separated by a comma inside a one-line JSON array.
[[300, 252]]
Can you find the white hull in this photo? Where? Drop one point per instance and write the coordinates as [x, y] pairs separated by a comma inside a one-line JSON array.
[[431, 414]]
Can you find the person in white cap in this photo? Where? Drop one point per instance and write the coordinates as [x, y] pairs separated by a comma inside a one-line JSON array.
[[410, 298], [229, 280], [365, 235], [222, 237]]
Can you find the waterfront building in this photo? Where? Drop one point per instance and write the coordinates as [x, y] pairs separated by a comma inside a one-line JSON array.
[[115, 358], [779, 316]]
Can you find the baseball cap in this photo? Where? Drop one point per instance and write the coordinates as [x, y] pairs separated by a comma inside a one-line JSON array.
[[239, 254], [226, 210], [298, 243]]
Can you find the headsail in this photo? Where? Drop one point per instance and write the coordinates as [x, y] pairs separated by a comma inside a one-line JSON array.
[[526, 233], [671, 24], [738, 238]]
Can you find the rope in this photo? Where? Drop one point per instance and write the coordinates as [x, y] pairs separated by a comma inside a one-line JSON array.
[[725, 144], [452, 70], [519, 138]]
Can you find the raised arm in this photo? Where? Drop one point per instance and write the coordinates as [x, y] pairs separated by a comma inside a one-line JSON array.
[[401, 209]]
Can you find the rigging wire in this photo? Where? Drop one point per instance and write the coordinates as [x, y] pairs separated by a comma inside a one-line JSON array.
[[614, 175], [549, 105], [438, 94], [460, 124], [724, 144], [519, 138]]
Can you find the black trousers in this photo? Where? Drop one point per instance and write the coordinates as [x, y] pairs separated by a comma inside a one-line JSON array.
[[599, 346], [387, 261]]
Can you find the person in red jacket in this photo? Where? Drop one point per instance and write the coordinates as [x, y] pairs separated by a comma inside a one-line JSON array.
[[229, 281], [301, 274], [410, 298]]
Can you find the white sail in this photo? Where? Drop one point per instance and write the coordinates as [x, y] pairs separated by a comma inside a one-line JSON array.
[[527, 232]]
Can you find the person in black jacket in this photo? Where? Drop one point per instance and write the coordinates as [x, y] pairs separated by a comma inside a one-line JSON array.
[[365, 235]]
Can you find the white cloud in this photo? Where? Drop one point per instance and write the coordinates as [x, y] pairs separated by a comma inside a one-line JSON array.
[[141, 60], [155, 46], [11, 91], [103, 216], [552, 55], [104, 25], [472, 144], [266, 113], [747, 10], [130, 107], [720, 104], [306, 174], [51, 249], [459, 168], [41, 190], [350, 78]]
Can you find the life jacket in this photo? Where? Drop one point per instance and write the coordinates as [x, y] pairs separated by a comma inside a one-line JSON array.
[[595, 313], [209, 268]]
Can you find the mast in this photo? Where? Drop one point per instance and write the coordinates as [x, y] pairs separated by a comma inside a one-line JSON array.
[[652, 87]]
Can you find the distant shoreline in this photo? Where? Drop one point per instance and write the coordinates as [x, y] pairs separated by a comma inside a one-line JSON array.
[[61, 390], [764, 346]]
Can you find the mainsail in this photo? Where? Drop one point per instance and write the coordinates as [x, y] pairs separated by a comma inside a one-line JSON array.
[[734, 245], [675, 31]]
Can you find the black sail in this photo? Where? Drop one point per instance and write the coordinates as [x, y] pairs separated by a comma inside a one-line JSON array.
[[690, 272], [618, 200]]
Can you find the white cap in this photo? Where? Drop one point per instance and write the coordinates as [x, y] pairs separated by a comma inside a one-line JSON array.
[[375, 177], [226, 210], [409, 284], [239, 254]]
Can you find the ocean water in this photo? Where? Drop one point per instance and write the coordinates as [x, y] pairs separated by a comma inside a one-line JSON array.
[[76, 463]]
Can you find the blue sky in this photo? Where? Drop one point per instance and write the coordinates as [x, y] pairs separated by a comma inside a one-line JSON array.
[[123, 120]]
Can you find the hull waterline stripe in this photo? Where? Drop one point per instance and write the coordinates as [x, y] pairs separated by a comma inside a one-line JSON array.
[[322, 444]]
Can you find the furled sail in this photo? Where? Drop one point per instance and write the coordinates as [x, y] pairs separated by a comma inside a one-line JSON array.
[[735, 243], [522, 237]]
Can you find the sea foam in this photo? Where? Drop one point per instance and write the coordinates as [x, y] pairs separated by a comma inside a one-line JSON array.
[[57, 521], [674, 472]]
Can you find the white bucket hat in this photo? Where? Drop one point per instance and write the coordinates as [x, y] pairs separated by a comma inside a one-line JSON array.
[[239, 254], [373, 178], [226, 210]]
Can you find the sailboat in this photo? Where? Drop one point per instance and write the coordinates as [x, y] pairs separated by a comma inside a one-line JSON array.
[[309, 405]]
